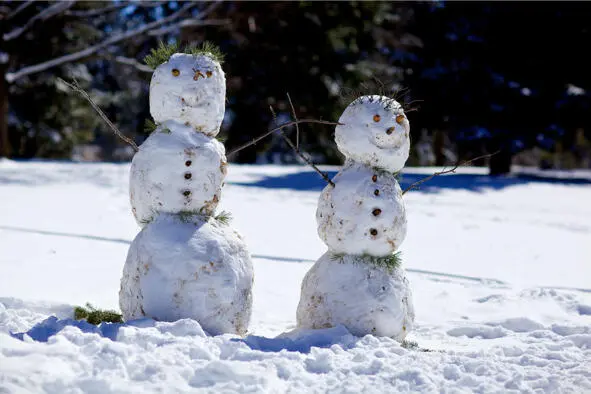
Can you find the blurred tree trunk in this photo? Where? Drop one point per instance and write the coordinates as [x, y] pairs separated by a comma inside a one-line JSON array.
[[500, 163], [4, 148]]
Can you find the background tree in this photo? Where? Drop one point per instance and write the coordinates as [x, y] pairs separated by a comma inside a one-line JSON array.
[[90, 41]]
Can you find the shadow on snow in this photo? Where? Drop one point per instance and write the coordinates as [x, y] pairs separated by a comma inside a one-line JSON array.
[[294, 341], [310, 181]]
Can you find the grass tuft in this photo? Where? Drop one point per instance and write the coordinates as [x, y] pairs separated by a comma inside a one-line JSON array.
[[96, 316], [224, 218], [389, 262], [150, 126], [163, 52]]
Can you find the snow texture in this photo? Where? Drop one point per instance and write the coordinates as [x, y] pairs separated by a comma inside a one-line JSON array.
[[190, 89], [362, 297], [189, 268], [176, 169], [375, 132], [363, 213], [500, 311]]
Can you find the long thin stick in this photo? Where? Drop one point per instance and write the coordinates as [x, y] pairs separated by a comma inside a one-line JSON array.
[[296, 147], [76, 87], [295, 117], [444, 171], [287, 124]]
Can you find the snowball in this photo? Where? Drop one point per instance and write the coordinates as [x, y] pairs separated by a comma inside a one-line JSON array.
[[190, 89], [194, 269], [363, 213], [375, 132], [365, 298], [176, 169]]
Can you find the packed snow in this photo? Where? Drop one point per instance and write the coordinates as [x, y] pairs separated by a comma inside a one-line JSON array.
[[500, 272]]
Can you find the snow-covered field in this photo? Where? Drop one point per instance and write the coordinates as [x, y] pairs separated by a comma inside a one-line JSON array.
[[500, 270]]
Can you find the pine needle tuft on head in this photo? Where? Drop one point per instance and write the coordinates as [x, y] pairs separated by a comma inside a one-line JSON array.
[[163, 52], [96, 316], [206, 48]]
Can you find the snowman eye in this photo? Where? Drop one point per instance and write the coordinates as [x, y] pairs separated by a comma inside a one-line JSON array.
[[390, 130], [400, 119], [175, 72], [376, 118], [208, 73]]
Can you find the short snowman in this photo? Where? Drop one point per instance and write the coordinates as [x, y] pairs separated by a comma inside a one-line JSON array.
[[359, 282], [185, 262]]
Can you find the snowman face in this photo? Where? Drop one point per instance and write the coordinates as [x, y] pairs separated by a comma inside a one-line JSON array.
[[375, 132], [190, 89]]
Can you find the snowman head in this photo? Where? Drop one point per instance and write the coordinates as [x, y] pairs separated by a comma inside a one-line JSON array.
[[375, 132], [190, 89]]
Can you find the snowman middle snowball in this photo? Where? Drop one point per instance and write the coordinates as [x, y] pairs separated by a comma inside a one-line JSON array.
[[185, 263], [362, 220]]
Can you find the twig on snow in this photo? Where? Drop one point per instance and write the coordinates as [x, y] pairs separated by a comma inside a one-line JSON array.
[[444, 171], [76, 88]]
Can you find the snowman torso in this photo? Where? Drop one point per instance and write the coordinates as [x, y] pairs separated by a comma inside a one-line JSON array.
[[176, 169], [363, 213], [362, 220]]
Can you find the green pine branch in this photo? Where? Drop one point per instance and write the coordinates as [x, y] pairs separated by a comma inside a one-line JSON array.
[[163, 52], [96, 316]]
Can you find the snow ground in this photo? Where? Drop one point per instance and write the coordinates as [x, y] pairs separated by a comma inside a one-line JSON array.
[[500, 270]]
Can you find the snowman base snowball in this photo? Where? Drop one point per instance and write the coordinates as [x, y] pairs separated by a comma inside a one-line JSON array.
[[189, 268], [365, 298]]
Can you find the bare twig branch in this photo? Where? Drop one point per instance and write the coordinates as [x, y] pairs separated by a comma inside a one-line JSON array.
[[287, 124], [19, 9], [296, 147], [11, 77], [309, 162], [76, 88], [295, 117], [444, 171], [54, 9]]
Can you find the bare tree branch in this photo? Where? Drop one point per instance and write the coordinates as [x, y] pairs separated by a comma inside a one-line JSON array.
[[189, 22], [134, 63], [54, 9], [97, 11], [11, 77], [19, 9], [444, 171], [287, 124], [76, 88]]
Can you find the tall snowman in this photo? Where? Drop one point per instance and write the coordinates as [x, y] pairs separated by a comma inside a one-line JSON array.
[[358, 282], [185, 262]]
